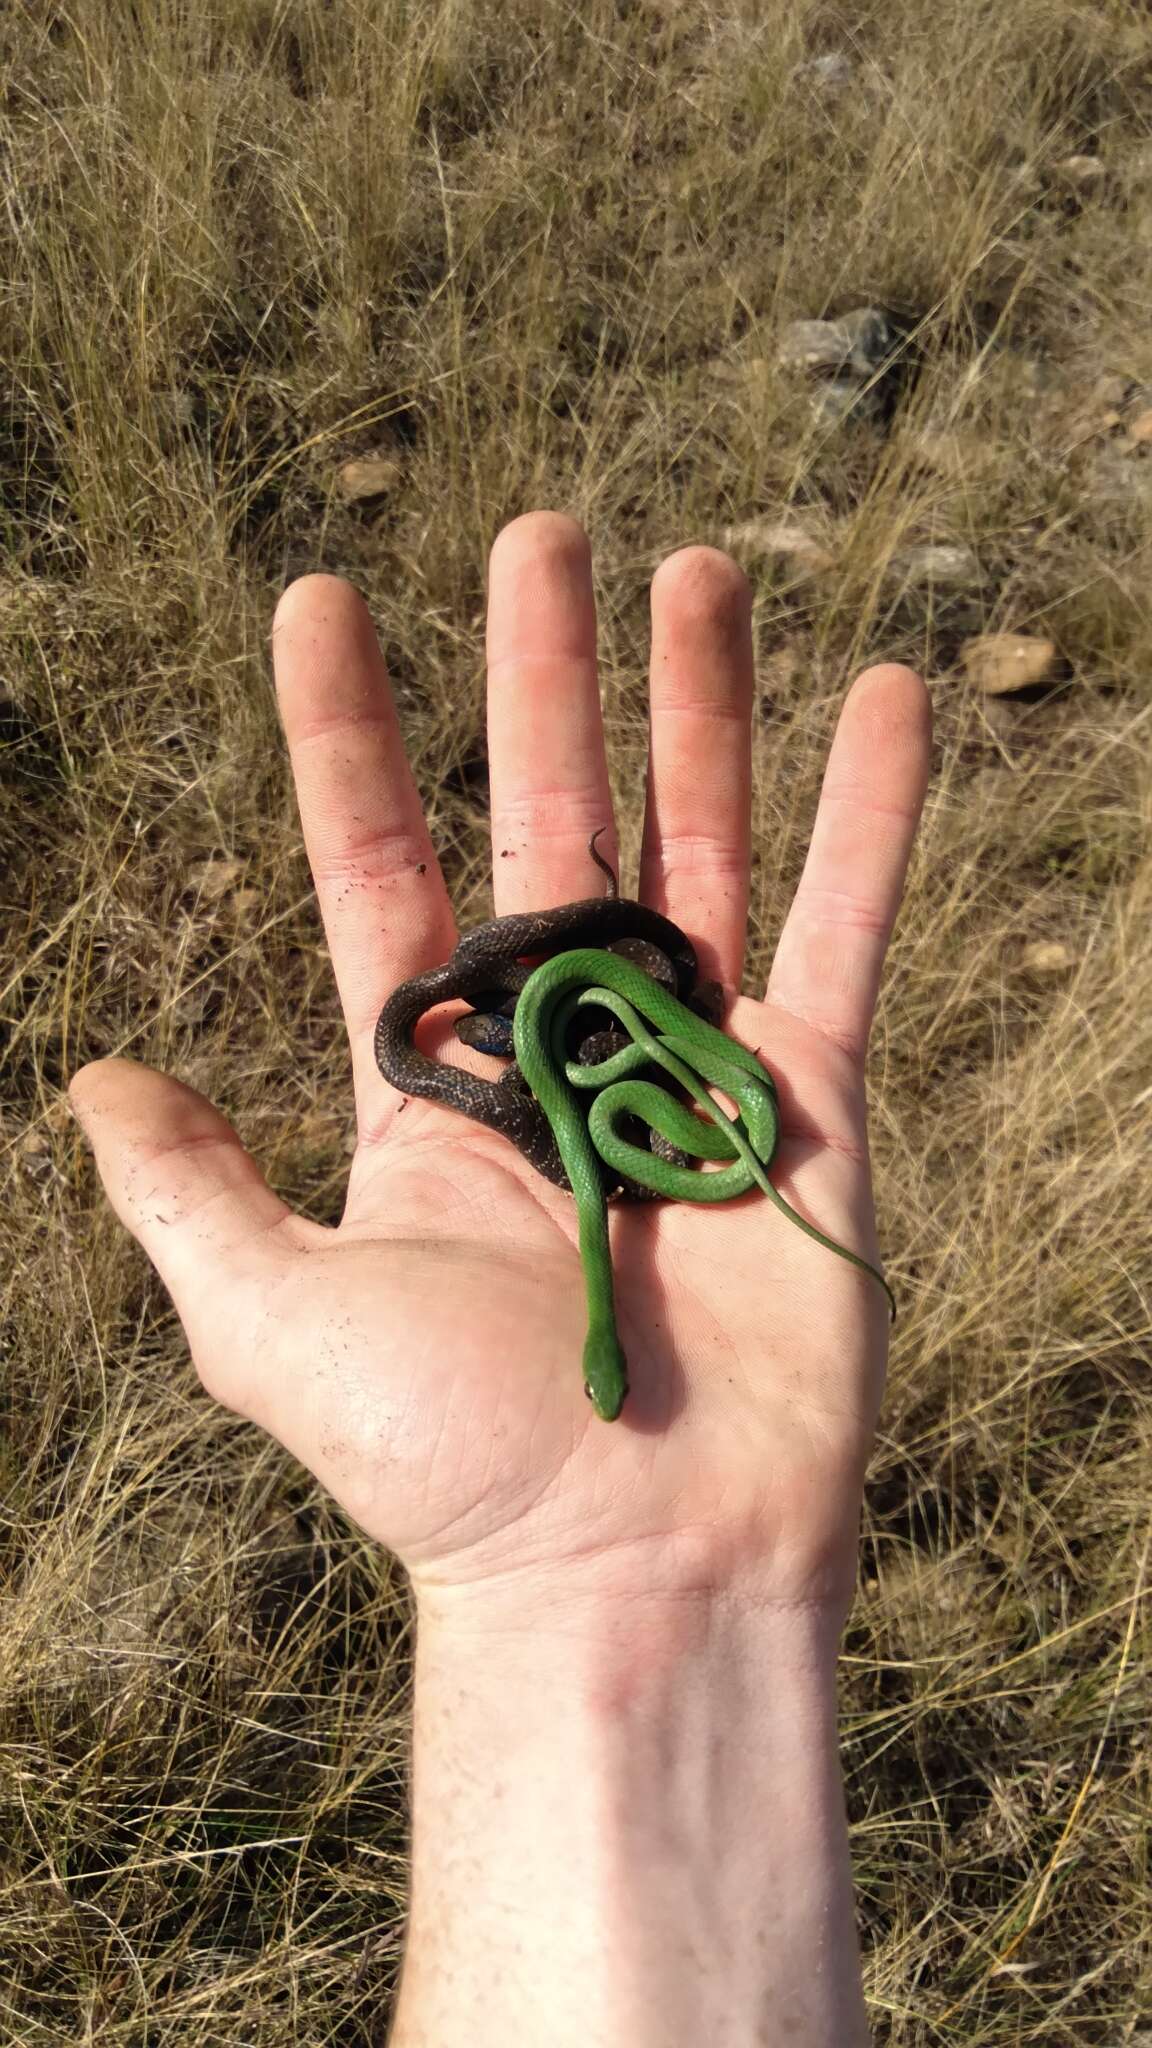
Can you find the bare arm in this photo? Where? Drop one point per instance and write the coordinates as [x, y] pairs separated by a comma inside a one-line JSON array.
[[629, 1830], [628, 1822]]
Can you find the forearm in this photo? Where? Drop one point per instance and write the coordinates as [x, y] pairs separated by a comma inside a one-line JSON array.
[[629, 1830]]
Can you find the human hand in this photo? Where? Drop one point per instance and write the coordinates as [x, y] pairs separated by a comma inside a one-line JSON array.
[[423, 1358]]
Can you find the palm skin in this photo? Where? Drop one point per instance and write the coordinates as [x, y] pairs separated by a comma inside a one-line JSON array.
[[423, 1358]]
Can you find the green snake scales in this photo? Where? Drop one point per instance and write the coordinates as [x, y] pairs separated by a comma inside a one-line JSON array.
[[608, 956]]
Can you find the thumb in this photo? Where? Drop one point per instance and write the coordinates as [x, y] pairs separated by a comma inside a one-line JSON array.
[[180, 1180]]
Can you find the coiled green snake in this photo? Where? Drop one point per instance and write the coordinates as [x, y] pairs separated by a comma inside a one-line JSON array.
[[538, 1101]]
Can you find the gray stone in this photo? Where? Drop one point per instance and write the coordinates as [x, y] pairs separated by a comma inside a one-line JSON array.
[[829, 73], [815, 346], [854, 345], [872, 335], [797, 550], [1082, 173], [948, 565], [835, 401]]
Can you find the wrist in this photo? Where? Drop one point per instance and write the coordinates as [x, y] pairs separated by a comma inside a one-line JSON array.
[[628, 1815]]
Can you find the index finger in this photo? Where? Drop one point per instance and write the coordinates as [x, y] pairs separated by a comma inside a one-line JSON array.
[[382, 896]]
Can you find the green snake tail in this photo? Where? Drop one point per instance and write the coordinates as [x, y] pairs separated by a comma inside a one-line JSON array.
[[693, 1052]]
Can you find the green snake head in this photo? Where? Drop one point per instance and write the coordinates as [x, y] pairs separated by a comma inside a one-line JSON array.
[[605, 1373]]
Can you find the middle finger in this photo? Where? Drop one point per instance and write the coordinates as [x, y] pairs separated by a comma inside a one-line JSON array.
[[548, 772], [694, 862]]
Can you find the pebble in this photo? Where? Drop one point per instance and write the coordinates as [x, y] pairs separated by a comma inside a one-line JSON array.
[[999, 662], [368, 476], [1047, 956], [870, 330], [944, 563], [814, 345], [790, 544], [1082, 172], [830, 72], [856, 342], [832, 402], [844, 358]]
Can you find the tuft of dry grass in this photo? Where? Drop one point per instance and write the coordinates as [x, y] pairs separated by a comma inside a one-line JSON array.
[[542, 256]]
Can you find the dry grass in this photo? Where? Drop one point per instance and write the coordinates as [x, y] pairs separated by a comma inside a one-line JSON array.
[[541, 255]]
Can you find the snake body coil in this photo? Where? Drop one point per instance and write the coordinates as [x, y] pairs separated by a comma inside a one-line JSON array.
[[489, 964], [659, 1026]]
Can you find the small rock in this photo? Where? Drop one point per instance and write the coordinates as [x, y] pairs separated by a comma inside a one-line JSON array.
[[999, 662], [211, 879], [789, 543], [1047, 956], [814, 346], [1140, 428], [873, 337], [1082, 173], [945, 564], [829, 73], [368, 476], [856, 343], [834, 401], [847, 360]]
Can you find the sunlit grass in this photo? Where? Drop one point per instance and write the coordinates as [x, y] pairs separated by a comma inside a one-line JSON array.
[[541, 256]]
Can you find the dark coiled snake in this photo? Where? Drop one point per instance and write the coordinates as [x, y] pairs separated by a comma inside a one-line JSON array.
[[613, 1004]]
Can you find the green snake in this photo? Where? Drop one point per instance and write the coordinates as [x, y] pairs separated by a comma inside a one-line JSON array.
[[694, 1053], [539, 1101]]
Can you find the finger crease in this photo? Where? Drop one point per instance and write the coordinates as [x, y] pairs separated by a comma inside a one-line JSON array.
[[337, 724]]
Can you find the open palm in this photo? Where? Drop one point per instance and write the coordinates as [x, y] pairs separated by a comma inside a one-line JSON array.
[[423, 1358]]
